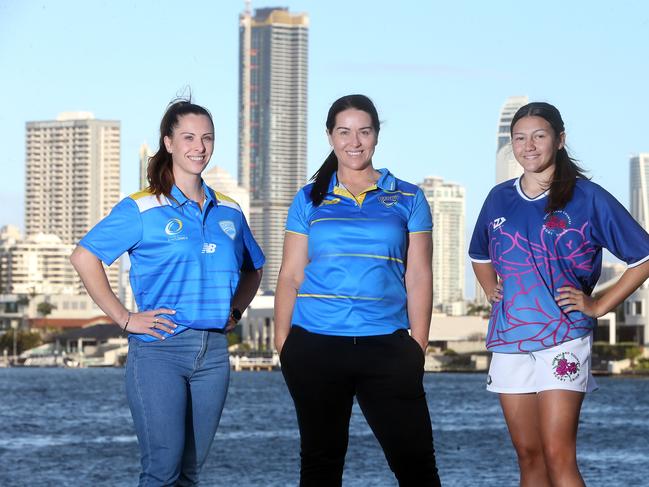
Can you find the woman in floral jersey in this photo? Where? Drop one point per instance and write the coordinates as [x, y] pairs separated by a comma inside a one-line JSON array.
[[537, 253]]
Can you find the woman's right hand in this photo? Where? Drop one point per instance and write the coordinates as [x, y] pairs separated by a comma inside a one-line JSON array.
[[147, 322], [279, 343], [496, 294]]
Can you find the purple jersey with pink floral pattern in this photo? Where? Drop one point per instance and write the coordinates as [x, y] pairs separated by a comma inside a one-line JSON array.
[[535, 253]]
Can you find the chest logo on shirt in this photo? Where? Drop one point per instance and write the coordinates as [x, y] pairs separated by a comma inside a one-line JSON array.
[[208, 248], [498, 222], [389, 201], [228, 228], [556, 222], [173, 228]]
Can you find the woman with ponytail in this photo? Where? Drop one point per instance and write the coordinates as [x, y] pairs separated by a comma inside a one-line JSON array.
[[356, 275], [194, 268], [537, 253]]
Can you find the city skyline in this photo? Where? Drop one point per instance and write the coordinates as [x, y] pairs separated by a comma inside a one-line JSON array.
[[438, 79]]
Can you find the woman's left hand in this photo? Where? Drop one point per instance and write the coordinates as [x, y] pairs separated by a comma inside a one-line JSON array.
[[229, 326], [572, 299]]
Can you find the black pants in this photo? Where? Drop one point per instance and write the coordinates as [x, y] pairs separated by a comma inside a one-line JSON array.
[[324, 373]]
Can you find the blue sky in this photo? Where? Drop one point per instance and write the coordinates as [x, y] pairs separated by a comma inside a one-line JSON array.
[[438, 72]]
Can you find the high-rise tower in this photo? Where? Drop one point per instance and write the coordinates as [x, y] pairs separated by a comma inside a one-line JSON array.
[[506, 165], [636, 309], [272, 123], [447, 202], [72, 176], [639, 188]]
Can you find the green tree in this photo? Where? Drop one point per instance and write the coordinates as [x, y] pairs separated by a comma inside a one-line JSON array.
[[24, 340], [475, 309], [632, 353], [45, 309]]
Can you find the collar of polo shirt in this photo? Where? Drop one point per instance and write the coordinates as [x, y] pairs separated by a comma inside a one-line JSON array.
[[386, 181], [178, 198]]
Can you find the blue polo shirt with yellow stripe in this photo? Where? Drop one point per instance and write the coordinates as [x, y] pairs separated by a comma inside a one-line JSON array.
[[354, 281], [182, 258]]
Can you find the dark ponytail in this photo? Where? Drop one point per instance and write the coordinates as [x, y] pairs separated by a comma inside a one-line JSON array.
[[322, 176], [566, 169], [566, 172], [159, 170]]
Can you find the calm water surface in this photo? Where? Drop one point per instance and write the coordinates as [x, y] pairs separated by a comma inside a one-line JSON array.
[[72, 427]]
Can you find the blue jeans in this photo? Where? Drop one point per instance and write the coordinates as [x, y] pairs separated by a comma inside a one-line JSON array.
[[176, 389]]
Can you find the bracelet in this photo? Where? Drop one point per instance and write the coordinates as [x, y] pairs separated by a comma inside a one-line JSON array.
[[128, 318]]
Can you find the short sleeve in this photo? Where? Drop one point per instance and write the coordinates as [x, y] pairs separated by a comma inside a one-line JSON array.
[[253, 256], [616, 230], [479, 246], [420, 218], [118, 232], [297, 220]]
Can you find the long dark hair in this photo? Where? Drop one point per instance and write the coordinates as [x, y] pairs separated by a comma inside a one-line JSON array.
[[566, 169], [159, 170], [322, 176]]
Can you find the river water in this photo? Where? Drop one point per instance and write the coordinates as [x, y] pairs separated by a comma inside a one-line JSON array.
[[72, 427]]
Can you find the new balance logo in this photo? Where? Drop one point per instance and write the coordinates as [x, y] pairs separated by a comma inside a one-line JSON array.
[[208, 248], [498, 222]]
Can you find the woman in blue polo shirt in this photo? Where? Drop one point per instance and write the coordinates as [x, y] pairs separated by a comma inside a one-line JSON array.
[[356, 274], [537, 253], [194, 268]]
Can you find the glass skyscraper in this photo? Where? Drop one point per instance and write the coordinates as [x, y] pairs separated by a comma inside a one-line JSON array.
[[272, 123]]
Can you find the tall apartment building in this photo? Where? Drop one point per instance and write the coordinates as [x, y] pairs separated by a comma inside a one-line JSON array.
[[72, 176], [636, 306], [447, 205], [506, 165], [272, 123]]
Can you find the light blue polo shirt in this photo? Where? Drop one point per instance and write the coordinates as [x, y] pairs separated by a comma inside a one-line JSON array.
[[182, 258], [354, 281]]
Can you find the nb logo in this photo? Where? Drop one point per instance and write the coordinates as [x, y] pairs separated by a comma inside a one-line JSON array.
[[498, 222], [208, 248]]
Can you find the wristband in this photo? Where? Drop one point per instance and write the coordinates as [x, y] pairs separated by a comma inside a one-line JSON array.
[[128, 318]]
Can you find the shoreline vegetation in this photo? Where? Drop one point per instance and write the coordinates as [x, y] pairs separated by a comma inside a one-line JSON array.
[[626, 359]]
